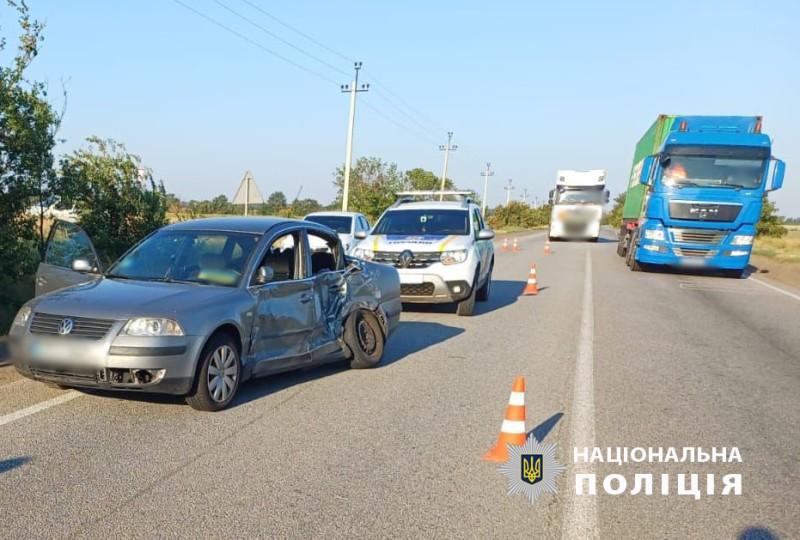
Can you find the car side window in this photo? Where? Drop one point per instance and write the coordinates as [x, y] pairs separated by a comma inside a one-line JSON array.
[[282, 257], [325, 256], [364, 223], [67, 243]]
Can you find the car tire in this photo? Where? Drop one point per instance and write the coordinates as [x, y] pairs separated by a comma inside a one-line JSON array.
[[218, 375], [630, 254], [485, 290], [466, 307], [364, 336]]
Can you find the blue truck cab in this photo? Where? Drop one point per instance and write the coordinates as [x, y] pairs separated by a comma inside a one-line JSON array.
[[704, 192]]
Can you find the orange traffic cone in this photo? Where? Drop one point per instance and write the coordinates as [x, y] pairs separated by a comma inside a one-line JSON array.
[[515, 248], [547, 250], [513, 428], [532, 287], [505, 244]]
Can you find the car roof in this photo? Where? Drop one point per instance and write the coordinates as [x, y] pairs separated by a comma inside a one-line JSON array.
[[334, 213], [431, 205], [244, 224]]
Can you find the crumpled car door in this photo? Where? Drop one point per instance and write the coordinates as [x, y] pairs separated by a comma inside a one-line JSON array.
[[66, 244]]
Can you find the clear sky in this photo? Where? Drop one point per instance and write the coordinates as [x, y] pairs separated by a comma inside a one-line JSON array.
[[531, 86]]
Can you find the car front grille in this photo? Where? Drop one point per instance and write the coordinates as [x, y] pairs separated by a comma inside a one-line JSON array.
[[697, 236], [419, 259], [416, 289], [688, 252], [83, 327]]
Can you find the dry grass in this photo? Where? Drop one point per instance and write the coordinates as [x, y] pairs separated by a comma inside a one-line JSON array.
[[786, 249]]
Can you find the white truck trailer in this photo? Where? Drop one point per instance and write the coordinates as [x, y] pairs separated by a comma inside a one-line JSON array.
[[577, 204]]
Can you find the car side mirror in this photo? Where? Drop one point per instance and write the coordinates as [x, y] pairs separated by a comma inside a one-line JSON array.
[[82, 266], [777, 175], [485, 234], [647, 167], [360, 235], [264, 274]]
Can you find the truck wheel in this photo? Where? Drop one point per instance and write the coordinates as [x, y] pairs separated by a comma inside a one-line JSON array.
[[218, 375], [483, 293], [621, 246], [630, 254], [363, 334]]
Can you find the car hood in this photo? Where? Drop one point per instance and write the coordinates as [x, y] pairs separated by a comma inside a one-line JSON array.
[[122, 299], [425, 242]]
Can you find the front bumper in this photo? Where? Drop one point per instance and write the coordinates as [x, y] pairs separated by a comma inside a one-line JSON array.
[[424, 287], [559, 229], [161, 365], [721, 256]]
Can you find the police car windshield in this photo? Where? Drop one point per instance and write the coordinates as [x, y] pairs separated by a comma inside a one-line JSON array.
[[419, 222]]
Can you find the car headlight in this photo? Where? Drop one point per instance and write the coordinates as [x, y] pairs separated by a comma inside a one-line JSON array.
[[453, 257], [742, 240], [654, 234], [147, 326], [22, 316], [363, 253]]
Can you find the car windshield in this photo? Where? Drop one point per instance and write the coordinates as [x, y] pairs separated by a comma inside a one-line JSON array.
[[216, 258], [739, 168], [580, 196], [340, 224], [419, 222]]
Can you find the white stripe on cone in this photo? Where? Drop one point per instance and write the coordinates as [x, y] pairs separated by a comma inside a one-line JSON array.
[[517, 398], [513, 426]]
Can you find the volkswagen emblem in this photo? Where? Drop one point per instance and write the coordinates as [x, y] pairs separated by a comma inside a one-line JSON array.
[[405, 259], [65, 327]]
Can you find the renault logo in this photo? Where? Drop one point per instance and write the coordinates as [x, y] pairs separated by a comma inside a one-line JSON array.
[[65, 327], [405, 259]]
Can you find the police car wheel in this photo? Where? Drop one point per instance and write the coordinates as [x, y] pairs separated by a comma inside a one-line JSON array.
[[485, 290]]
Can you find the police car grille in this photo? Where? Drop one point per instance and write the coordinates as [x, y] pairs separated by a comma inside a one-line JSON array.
[[45, 323], [421, 259], [416, 289]]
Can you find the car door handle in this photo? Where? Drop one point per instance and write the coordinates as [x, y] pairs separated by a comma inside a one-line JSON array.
[[305, 298]]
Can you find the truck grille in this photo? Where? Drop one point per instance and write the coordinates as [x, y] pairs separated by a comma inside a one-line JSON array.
[[419, 259], [704, 211], [45, 323], [697, 236], [688, 252], [416, 289]]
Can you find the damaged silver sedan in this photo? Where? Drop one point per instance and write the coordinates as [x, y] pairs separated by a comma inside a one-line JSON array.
[[199, 307]]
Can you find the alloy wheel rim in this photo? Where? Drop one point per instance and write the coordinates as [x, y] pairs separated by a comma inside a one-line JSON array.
[[223, 372]]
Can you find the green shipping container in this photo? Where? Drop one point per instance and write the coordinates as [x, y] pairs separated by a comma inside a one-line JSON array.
[[650, 142]]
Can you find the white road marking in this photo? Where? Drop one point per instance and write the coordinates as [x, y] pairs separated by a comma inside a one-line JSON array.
[[774, 288], [580, 514], [33, 409]]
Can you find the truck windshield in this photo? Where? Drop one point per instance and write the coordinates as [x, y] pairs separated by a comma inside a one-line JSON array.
[[740, 168], [580, 196], [419, 222]]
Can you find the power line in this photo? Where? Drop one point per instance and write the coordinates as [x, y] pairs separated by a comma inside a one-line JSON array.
[[284, 41], [255, 43]]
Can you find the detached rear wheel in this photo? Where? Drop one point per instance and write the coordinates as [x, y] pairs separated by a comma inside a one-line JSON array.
[[218, 376], [364, 335]]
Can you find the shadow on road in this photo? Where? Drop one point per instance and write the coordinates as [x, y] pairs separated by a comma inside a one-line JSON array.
[[541, 431], [692, 271], [410, 337], [502, 294], [9, 464]]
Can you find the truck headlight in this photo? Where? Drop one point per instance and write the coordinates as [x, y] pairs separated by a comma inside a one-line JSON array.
[[22, 316], [654, 234], [453, 257], [363, 253], [742, 240], [148, 326]]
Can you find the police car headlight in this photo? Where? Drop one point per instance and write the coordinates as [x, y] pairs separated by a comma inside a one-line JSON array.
[[742, 240], [147, 326], [454, 256], [654, 234], [22, 316], [363, 253]]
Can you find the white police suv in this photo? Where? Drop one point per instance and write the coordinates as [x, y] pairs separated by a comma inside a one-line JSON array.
[[441, 248]]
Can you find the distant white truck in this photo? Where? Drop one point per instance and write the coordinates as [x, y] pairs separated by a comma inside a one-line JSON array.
[[577, 204]]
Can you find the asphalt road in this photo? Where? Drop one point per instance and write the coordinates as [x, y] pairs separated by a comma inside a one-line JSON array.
[[610, 357]]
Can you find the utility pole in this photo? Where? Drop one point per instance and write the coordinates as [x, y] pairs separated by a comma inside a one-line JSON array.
[[524, 196], [486, 174], [447, 148], [352, 89], [508, 189]]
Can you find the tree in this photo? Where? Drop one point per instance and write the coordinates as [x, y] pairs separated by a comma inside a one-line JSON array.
[[373, 184], [116, 198], [275, 205], [421, 180], [770, 223], [302, 207], [518, 214], [614, 217]]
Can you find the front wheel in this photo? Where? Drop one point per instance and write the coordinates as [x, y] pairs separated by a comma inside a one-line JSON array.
[[219, 373], [466, 307], [364, 336], [483, 292]]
